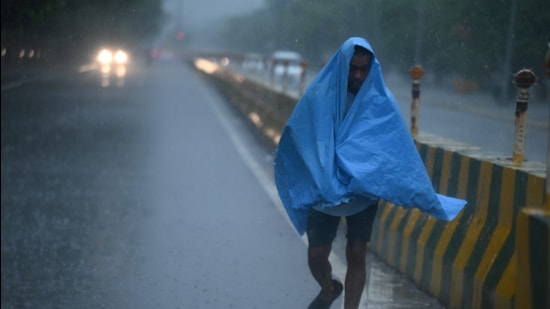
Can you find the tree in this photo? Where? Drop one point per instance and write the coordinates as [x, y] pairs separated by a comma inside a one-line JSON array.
[[456, 39], [79, 24]]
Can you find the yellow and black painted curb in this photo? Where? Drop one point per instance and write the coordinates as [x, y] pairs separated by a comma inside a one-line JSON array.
[[533, 256], [470, 261]]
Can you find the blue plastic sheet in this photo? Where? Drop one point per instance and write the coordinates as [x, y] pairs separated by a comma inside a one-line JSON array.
[[326, 158]]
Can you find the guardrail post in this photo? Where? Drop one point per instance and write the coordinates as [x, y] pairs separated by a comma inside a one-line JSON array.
[[285, 77], [302, 86], [416, 73], [523, 79], [273, 63], [265, 69]]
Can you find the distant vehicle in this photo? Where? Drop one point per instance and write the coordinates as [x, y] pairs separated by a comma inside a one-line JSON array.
[[109, 60], [107, 56], [112, 62], [287, 68]]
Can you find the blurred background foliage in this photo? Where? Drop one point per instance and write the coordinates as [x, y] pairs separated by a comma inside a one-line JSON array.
[[484, 41], [73, 26]]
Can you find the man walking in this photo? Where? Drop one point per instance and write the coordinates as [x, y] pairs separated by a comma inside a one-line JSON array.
[[344, 148]]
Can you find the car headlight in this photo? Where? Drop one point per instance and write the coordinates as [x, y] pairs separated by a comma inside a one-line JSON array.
[[121, 57], [105, 56]]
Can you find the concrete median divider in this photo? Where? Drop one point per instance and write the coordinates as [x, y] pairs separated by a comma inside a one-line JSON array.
[[533, 247], [470, 262]]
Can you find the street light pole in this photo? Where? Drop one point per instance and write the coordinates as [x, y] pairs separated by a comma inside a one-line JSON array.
[[509, 50], [179, 15], [421, 9]]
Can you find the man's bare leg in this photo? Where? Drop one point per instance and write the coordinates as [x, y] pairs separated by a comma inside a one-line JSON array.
[[356, 274], [321, 270]]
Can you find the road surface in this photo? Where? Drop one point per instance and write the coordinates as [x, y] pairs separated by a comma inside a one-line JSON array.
[[149, 192]]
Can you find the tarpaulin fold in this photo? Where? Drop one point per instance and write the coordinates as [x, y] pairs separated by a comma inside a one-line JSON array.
[[325, 158]]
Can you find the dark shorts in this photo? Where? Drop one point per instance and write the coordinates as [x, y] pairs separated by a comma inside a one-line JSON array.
[[322, 228]]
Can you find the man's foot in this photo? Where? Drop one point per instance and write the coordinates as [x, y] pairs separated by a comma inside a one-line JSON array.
[[319, 303]]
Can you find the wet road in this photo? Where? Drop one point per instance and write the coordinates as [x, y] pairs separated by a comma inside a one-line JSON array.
[[153, 194]]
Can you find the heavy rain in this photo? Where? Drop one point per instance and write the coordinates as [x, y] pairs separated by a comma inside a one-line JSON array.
[[138, 140]]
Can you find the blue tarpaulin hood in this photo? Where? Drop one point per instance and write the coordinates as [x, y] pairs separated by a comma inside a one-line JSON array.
[[324, 158]]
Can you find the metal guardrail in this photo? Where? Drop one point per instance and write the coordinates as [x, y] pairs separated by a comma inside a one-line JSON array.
[[280, 74]]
